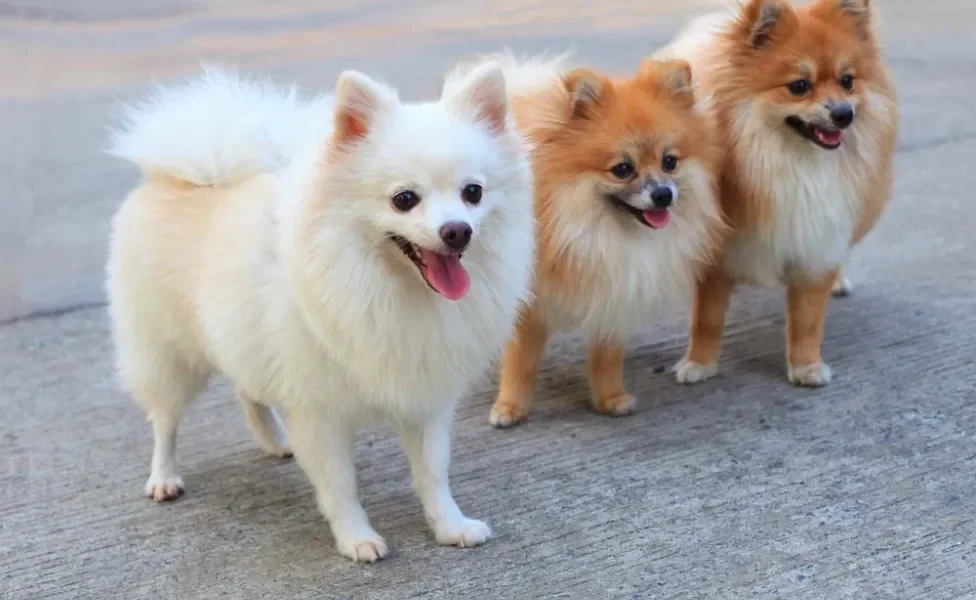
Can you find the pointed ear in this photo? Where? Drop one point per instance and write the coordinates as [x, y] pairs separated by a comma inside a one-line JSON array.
[[480, 93], [672, 77], [587, 91], [857, 11], [761, 21], [358, 102]]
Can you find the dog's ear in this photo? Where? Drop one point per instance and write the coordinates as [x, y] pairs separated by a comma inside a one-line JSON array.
[[761, 22], [481, 93], [359, 101], [671, 77], [587, 92], [857, 12]]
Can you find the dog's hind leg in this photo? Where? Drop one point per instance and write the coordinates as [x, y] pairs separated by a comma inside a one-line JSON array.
[[162, 387], [266, 426]]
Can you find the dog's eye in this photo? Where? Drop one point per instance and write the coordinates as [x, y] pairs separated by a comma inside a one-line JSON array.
[[798, 87], [405, 200], [471, 193], [669, 163], [847, 82], [623, 170]]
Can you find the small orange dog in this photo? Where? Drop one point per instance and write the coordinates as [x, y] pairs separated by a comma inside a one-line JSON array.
[[627, 214], [809, 116]]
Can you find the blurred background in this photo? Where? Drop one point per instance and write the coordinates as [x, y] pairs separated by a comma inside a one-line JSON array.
[[66, 65]]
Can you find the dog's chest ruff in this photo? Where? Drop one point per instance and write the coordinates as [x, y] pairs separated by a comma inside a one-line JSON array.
[[816, 203]]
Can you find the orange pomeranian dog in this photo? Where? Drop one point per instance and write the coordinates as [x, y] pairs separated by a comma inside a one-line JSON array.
[[809, 117], [626, 208]]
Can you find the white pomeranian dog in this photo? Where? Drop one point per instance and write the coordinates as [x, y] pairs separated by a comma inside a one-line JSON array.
[[349, 261]]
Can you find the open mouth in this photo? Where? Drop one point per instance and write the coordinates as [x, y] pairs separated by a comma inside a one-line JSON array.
[[442, 272], [655, 218], [829, 139]]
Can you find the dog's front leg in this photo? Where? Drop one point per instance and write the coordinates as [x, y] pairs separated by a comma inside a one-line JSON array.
[[428, 447], [324, 449]]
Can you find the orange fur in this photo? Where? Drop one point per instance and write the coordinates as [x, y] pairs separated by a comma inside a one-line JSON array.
[[781, 194], [590, 255]]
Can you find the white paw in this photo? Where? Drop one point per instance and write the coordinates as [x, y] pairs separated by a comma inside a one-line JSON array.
[[842, 288], [162, 489], [815, 375], [464, 533], [504, 416], [687, 371], [367, 548], [277, 450]]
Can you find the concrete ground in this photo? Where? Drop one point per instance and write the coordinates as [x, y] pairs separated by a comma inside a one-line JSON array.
[[742, 487]]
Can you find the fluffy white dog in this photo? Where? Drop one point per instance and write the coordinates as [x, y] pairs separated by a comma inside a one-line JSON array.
[[311, 251]]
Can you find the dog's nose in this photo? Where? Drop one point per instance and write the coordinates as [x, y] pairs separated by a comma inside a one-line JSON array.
[[456, 234], [842, 114], [661, 196]]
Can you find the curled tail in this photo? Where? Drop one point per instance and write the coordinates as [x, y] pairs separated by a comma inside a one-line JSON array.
[[218, 128]]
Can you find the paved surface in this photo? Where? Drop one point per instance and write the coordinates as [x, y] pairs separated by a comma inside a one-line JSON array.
[[741, 487]]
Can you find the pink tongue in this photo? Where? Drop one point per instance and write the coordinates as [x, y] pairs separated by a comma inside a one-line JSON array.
[[445, 274], [830, 138], [657, 217]]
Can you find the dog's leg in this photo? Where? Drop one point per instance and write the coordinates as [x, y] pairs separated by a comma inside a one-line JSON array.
[[428, 448], [842, 286], [707, 324], [606, 366], [164, 397], [520, 367], [324, 449], [264, 424], [806, 313]]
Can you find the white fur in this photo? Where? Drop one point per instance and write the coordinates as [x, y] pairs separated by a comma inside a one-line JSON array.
[[281, 277], [250, 127]]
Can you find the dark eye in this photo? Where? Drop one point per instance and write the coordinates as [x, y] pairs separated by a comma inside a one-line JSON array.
[[623, 170], [669, 163], [847, 82], [799, 87], [405, 200], [471, 193]]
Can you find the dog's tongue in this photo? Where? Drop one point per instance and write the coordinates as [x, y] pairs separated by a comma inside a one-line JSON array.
[[445, 274], [830, 138], [657, 217]]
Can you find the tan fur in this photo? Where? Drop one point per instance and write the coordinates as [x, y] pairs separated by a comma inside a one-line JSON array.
[[594, 264], [773, 181]]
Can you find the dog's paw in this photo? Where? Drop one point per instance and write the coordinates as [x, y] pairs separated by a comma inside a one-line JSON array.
[[504, 415], [163, 489], [463, 533], [815, 375], [277, 450], [688, 371], [616, 406], [842, 288], [365, 549]]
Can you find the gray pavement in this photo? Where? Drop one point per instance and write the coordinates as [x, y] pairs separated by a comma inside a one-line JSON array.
[[742, 487]]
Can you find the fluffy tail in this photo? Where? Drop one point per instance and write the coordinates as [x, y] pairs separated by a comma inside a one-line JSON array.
[[218, 129], [523, 76]]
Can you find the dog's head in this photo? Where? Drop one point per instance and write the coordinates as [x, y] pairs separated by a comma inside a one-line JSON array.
[[808, 69], [636, 144], [426, 178]]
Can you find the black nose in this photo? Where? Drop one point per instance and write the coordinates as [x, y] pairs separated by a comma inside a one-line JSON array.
[[661, 196], [456, 234], [842, 114]]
